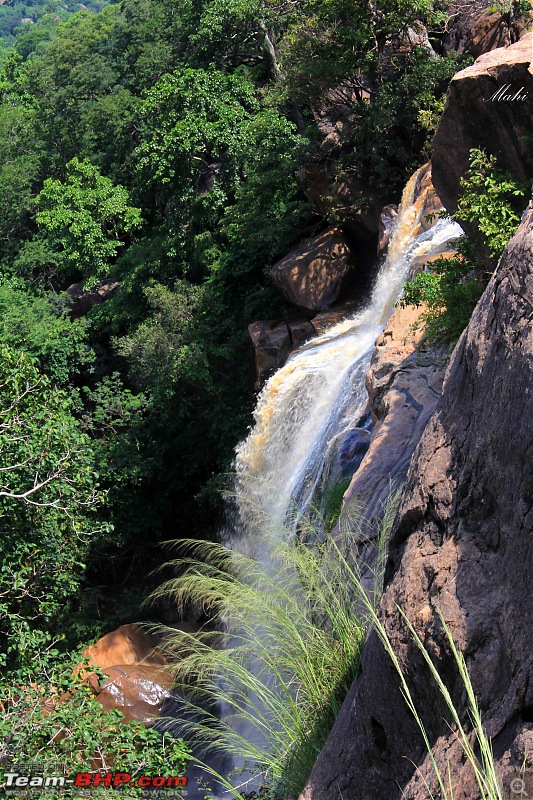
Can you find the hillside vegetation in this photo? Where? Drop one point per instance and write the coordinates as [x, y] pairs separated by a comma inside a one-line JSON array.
[[151, 154]]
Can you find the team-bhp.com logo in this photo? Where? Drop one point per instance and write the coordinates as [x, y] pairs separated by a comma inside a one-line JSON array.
[[28, 778]]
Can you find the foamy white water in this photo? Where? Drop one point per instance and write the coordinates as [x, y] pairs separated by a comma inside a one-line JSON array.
[[320, 391]]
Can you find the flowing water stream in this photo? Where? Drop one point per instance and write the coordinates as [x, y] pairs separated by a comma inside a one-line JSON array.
[[308, 405], [320, 392]]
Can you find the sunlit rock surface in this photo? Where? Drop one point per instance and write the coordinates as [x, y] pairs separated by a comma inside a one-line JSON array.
[[462, 545], [137, 683], [313, 275]]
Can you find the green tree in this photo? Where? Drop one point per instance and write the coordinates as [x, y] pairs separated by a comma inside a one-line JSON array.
[[41, 325], [85, 220], [48, 498], [165, 349]]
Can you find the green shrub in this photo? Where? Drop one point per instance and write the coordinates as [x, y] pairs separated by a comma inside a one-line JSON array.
[[51, 718], [493, 203], [449, 293]]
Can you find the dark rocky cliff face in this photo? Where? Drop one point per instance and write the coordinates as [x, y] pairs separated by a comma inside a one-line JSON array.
[[501, 126], [462, 544]]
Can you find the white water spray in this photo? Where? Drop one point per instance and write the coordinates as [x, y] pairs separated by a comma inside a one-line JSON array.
[[320, 392], [309, 404]]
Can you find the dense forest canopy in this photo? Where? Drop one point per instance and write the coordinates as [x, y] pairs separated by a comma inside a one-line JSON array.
[[155, 148], [157, 158]]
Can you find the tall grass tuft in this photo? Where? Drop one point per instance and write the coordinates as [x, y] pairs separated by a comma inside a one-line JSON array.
[[472, 737], [265, 686]]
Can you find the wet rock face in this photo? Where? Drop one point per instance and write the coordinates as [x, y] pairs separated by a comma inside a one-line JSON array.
[[139, 691], [425, 192], [353, 449], [314, 275], [502, 126], [404, 386], [386, 225], [462, 544]]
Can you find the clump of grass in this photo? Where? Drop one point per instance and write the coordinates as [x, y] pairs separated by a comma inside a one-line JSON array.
[[266, 686]]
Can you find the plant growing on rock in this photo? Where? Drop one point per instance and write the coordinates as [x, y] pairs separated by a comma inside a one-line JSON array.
[[493, 203]]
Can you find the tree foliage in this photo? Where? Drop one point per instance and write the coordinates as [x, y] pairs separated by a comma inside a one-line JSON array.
[[48, 498], [85, 220]]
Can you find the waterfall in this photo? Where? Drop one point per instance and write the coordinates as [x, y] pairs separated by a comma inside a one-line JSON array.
[[320, 392], [307, 407]]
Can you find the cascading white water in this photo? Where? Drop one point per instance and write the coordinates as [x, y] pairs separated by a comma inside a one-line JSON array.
[[309, 403], [320, 391]]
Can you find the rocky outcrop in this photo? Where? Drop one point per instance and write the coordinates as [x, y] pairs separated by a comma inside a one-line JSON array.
[[272, 342], [475, 28], [462, 545], [313, 275], [82, 300], [502, 126], [404, 384], [137, 683], [321, 322]]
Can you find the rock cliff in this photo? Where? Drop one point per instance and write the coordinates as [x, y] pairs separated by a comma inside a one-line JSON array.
[[404, 385], [462, 545], [479, 114]]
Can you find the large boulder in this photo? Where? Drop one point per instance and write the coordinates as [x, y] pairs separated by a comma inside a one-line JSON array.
[[81, 300], [137, 681], [272, 342], [128, 644], [314, 275], [461, 545], [480, 112]]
